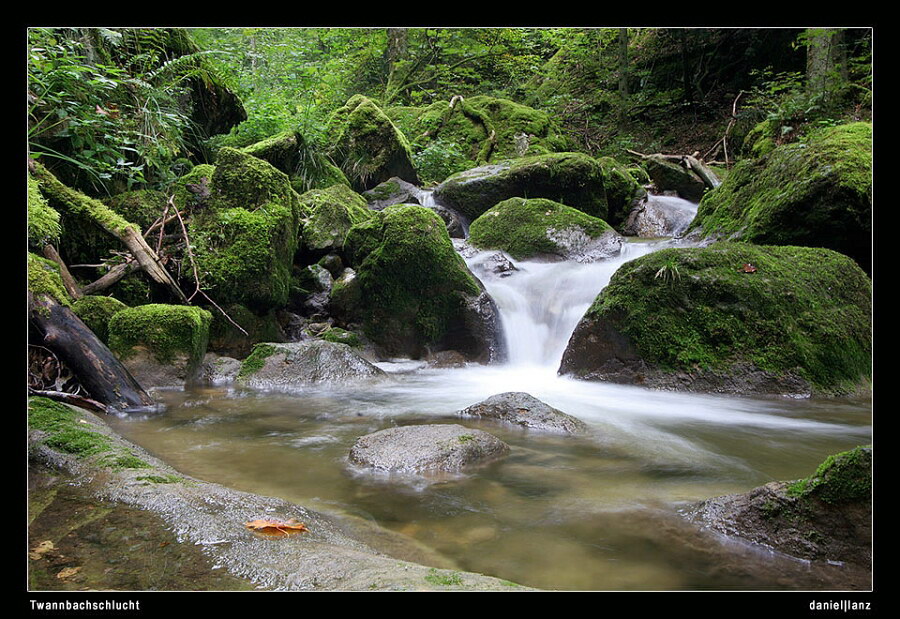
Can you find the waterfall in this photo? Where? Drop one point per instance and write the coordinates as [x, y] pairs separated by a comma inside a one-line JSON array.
[[540, 303]]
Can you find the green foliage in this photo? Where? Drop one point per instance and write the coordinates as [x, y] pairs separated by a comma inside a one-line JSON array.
[[439, 159]]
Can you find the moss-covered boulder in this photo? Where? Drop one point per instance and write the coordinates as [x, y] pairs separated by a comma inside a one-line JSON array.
[[367, 146], [418, 295], [43, 221], [290, 152], [161, 345], [246, 236], [816, 192], [330, 213], [96, 311], [142, 207], [537, 227], [824, 517], [573, 179], [478, 129], [731, 317], [623, 190], [669, 176]]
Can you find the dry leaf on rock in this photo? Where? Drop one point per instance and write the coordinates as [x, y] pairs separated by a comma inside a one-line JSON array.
[[276, 527]]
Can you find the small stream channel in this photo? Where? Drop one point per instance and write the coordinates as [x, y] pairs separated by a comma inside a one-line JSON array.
[[601, 512]]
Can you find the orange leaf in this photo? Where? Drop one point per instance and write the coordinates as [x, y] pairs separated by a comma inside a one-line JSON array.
[[276, 527], [748, 268]]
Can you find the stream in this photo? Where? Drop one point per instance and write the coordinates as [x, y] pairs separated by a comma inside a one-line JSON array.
[[601, 512]]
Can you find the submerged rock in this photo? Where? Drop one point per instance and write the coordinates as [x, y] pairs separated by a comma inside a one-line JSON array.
[[523, 409], [731, 318], [294, 364], [426, 448], [826, 517]]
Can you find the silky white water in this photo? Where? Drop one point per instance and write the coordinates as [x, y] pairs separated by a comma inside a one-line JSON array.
[[592, 513]]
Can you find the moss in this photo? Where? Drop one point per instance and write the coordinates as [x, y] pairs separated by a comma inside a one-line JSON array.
[[122, 461], [159, 479], [816, 193], [414, 283], [243, 181], [332, 212], [48, 415], [95, 312], [198, 175], [64, 434], [805, 311], [142, 207], [443, 577], [520, 227], [842, 478], [621, 189], [256, 359], [225, 338], [166, 330], [43, 221], [44, 279], [341, 336], [573, 179], [368, 146]]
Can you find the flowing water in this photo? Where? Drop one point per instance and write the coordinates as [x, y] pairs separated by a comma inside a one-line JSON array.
[[601, 512]]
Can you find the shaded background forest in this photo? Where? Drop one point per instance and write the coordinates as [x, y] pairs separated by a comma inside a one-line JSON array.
[[112, 109]]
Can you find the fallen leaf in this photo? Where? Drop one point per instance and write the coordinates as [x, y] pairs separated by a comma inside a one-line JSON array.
[[40, 549], [68, 572], [748, 268], [276, 527]]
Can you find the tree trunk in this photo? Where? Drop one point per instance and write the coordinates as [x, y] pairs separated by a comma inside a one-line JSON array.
[[98, 370], [395, 52], [623, 73], [825, 61]]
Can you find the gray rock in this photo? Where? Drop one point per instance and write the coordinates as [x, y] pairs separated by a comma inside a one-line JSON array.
[[426, 448], [523, 409], [219, 370], [295, 364]]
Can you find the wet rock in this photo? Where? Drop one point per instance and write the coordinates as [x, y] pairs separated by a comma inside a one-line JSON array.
[[669, 176], [426, 448], [395, 190], [523, 409], [659, 216], [219, 370], [294, 364], [826, 517]]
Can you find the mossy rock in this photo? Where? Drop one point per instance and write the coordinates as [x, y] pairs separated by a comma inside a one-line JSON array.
[[623, 190], [43, 221], [306, 168], [331, 214], [160, 343], [246, 238], [731, 317], [226, 339], [669, 176], [142, 207], [529, 228], [418, 291], [816, 192], [367, 146], [574, 179], [200, 178], [96, 311], [842, 478]]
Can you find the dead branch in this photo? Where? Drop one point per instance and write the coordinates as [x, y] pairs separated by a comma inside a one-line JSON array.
[[68, 281]]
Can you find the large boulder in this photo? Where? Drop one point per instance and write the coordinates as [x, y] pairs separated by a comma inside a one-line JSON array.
[[367, 146], [246, 235], [291, 153], [816, 192], [430, 448], [524, 410], [540, 227], [298, 364], [825, 517], [330, 213], [731, 317], [418, 295], [161, 345], [670, 176], [574, 179]]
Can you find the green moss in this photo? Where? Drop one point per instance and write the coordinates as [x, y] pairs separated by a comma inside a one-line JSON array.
[[64, 433], [841, 478], [332, 212], [159, 479], [443, 577], [522, 227], [341, 336], [166, 330], [414, 283], [95, 312], [243, 181], [122, 461], [621, 189], [805, 311], [44, 279], [256, 359], [142, 207], [43, 221], [48, 415], [198, 175], [817, 192]]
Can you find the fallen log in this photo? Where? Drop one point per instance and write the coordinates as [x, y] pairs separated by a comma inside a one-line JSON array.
[[690, 162], [98, 370]]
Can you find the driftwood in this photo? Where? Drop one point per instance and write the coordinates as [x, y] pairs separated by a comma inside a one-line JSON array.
[[70, 398], [690, 162], [70, 200], [114, 275], [98, 370]]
